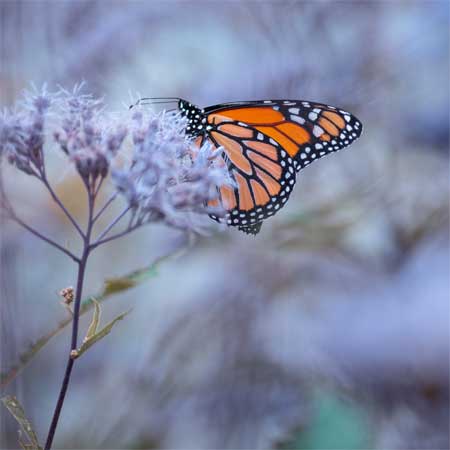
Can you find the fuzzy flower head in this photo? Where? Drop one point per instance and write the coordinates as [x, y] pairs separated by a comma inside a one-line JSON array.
[[159, 171], [22, 133], [87, 134], [168, 176]]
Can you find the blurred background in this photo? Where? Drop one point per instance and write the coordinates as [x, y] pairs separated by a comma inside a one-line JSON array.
[[329, 329]]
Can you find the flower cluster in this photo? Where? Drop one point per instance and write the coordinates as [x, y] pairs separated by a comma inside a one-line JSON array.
[[87, 135], [161, 174], [167, 175], [22, 135]]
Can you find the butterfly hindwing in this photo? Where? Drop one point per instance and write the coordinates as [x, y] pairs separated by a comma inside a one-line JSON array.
[[251, 229], [263, 174]]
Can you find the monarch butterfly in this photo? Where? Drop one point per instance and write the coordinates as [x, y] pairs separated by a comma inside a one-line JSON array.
[[264, 144]]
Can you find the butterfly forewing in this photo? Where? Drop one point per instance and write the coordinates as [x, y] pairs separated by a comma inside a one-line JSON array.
[[306, 130]]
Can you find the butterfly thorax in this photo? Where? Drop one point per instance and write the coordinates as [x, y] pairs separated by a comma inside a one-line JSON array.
[[196, 120]]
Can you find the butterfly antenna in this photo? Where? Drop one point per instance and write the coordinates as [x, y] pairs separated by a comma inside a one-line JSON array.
[[155, 101]]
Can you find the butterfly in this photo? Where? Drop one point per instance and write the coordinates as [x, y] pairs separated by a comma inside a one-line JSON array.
[[264, 144]]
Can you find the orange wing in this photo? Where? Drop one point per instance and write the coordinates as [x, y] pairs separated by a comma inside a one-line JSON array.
[[306, 130], [263, 175], [263, 143]]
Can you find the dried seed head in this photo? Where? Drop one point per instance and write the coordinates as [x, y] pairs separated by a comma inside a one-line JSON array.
[[67, 294]]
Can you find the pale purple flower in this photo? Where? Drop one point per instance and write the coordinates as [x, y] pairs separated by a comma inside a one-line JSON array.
[[161, 174], [167, 175], [86, 135], [22, 134]]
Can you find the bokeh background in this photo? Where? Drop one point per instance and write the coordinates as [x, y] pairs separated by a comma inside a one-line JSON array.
[[330, 329]]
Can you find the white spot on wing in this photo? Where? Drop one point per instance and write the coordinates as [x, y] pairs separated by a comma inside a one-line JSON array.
[[298, 119], [317, 131]]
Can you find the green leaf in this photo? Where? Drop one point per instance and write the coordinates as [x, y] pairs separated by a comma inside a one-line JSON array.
[[119, 284], [16, 409], [95, 320], [91, 340]]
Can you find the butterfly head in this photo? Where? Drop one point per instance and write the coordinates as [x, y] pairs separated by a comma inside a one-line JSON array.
[[196, 120]]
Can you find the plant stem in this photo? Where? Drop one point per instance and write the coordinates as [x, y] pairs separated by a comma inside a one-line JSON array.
[[113, 223], [44, 238], [105, 206], [76, 314], [73, 346], [114, 236], [61, 205]]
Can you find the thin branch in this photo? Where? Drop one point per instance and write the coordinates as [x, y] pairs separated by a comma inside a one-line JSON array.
[[12, 215], [60, 204], [112, 224], [97, 189], [103, 208], [45, 238], [115, 236]]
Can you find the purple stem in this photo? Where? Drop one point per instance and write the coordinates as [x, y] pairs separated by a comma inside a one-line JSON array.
[[103, 208], [70, 361], [46, 239], [76, 316], [115, 236], [112, 224], [60, 204]]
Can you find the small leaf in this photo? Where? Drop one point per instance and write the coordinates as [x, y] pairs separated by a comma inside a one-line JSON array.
[[16, 409], [89, 342], [114, 285], [95, 320]]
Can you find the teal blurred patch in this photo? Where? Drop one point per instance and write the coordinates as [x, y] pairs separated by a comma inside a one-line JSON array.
[[335, 424]]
